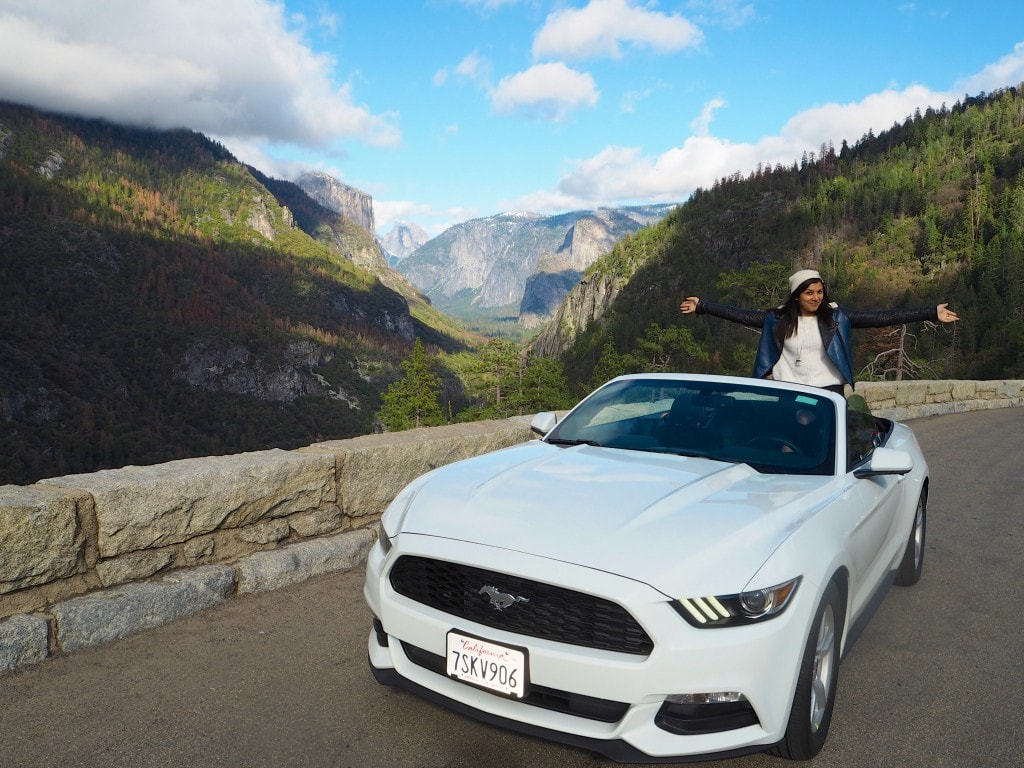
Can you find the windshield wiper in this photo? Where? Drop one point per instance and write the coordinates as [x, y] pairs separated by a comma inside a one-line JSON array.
[[676, 452], [690, 454], [566, 441]]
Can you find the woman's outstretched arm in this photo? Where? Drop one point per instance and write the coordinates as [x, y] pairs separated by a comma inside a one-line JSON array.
[[689, 304], [753, 318], [880, 318]]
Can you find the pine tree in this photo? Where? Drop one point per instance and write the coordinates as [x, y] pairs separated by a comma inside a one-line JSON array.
[[495, 377], [545, 387], [665, 349], [609, 365], [412, 401]]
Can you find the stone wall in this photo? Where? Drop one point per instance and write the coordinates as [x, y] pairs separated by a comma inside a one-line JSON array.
[[917, 399], [89, 558]]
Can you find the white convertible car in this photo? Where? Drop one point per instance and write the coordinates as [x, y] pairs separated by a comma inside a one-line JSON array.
[[670, 574]]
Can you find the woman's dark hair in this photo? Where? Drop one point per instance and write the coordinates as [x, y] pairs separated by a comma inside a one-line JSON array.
[[790, 311]]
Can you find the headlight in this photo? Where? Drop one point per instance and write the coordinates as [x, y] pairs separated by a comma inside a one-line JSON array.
[[732, 610], [383, 538], [396, 512]]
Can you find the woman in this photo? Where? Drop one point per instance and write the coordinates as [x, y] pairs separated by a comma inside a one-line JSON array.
[[807, 339]]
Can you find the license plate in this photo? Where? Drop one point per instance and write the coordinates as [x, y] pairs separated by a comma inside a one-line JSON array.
[[489, 665]]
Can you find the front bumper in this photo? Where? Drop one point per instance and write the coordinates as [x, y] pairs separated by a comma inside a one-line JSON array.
[[616, 697]]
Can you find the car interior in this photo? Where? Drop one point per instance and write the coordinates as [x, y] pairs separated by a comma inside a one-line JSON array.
[[772, 430]]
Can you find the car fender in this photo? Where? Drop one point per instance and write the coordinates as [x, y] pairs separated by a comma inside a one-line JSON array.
[[816, 551]]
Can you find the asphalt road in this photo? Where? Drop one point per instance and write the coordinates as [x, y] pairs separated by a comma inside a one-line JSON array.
[[280, 679]]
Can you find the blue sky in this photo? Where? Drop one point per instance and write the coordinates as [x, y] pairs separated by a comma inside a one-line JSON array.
[[447, 110]]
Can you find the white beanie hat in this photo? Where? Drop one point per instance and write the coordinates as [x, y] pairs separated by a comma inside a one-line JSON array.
[[803, 276]]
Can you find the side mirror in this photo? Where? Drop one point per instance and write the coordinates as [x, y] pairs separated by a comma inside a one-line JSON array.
[[543, 422], [886, 461]]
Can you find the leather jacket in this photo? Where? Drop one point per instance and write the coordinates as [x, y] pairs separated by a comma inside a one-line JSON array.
[[835, 336]]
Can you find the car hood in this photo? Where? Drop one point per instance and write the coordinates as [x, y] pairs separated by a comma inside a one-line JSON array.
[[663, 520]]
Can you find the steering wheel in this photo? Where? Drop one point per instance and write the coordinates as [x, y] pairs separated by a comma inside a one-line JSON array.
[[770, 441]]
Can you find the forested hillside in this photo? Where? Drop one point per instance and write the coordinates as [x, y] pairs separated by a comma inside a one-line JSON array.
[[931, 210], [159, 299]]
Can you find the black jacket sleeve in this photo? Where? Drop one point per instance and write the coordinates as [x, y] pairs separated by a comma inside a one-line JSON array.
[[880, 318], [752, 318]]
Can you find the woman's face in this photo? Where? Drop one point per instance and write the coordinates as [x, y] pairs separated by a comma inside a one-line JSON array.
[[811, 297]]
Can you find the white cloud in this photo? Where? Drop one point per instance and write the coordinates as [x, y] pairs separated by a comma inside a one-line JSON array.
[[1009, 70], [546, 91], [701, 126], [473, 67], [835, 122], [328, 22], [434, 222], [621, 175], [729, 14], [602, 26], [387, 212], [231, 68]]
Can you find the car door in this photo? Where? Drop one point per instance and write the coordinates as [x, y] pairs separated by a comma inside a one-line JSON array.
[[873, 503]]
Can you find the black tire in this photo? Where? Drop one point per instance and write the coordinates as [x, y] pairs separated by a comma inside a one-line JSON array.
[[815, 695], [909, 572]]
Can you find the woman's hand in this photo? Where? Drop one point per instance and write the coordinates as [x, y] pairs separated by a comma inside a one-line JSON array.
[[945, 314], [689, 304]]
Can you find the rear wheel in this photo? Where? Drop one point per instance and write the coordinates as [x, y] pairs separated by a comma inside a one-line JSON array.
[[811, 715], [909, 572]]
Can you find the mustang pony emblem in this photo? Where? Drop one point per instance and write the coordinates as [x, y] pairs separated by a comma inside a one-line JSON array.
[[501, 600]]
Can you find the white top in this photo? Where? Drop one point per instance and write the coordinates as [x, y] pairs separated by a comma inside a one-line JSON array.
[[803, 358]]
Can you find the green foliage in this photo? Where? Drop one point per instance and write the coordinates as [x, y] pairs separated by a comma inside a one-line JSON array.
[[502, 381], [927, 212], [146, 246], [662, 350], [413, 400], [138, 250], [490, 322], [759, 285], [545, 386], [609, 365], [494, 379]]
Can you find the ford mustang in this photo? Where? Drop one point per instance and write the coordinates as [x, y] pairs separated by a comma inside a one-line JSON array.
[[669, 573]]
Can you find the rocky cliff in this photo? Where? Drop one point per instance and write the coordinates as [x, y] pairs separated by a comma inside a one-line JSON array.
[[351, 203], [352, 234], [404, 238], [589, 238], [585, 302], [489, 262]]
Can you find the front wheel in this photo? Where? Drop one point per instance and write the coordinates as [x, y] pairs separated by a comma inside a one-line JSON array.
[[815, 694], [909, 572]]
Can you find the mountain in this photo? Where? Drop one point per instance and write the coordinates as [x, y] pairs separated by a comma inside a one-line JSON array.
[[591, 236], [352, 237], [352, 203], [488, 262], [404, 238], [159, 299], [930, 211]]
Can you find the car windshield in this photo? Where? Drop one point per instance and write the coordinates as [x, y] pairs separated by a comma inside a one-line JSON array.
[[773, 430]]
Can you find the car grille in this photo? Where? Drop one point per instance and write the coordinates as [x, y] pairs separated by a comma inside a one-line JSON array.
[[602, 710], [548, 612]]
